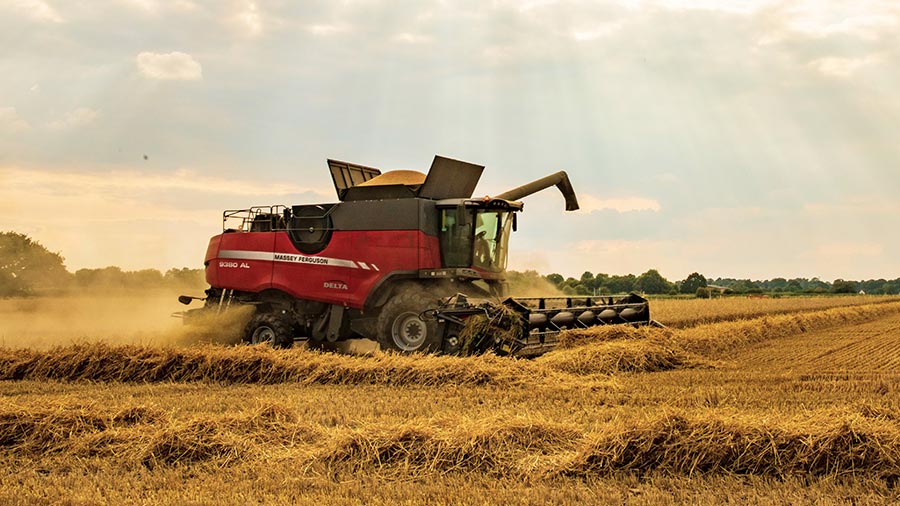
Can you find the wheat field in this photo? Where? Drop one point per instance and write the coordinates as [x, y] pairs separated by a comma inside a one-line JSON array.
[[794, 402]]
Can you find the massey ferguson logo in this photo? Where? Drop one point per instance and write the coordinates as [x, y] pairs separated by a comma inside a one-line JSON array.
[[335, 285], [283, 257]]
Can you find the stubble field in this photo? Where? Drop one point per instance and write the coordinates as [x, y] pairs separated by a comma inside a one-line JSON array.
[[791, 401]]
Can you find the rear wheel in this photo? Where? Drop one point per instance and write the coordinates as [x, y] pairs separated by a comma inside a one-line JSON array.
[[401, 327], [271, 328]]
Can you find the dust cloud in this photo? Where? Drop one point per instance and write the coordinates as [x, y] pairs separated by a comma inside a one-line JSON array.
[[523, 286], [127, 317], [117, 317], [145, 317]]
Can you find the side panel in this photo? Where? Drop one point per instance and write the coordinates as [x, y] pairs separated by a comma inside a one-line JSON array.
[[345, 272], [323, 277], [209, 263], [429, 245], [429, 252], [389, 214], [348, 269], [244, 261], [379, 253]]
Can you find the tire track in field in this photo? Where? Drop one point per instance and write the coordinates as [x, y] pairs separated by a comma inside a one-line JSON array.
[[870, 347]]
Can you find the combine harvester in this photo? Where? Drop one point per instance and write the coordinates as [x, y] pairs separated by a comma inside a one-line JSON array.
[[391, 262]]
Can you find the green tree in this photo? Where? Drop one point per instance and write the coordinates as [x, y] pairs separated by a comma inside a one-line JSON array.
[[816, 285], [873, 286], [693, 282], [841, 286], [745, 286], [146, 278], [601, 282], [555, 278], [27, 267], [587, 281], [106, 277], [621, 284], [185, 278], [778, 284], [794, 286], [652, 282]]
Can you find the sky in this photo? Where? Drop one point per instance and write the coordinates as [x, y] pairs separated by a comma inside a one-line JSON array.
[[749, 139]]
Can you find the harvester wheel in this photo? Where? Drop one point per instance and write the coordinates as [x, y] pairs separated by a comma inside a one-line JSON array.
[[270, 328], [401, 328]]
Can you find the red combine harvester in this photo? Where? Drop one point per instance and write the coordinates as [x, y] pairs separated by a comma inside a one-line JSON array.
[[391, 262]]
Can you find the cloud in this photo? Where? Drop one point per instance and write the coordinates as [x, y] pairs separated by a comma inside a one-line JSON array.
[[134, 219], [130, 181], [156, 6], [590, 203], [78, 118], [249, 19], [843, 67], [169, 66], [665, 178], [38, 10], [596, 31], [650, 104], [856, 206], [411, 38], [609, 256], [144, 5], [744, 7], [846, 251], [326, 29], [10, 121], [866, 19], [819, 18], [745, 251]]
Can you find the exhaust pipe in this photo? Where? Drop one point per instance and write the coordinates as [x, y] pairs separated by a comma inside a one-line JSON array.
[[560, 180]]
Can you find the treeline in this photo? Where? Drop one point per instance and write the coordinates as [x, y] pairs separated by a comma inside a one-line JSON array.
[[114, 277], [652, 282], [810, 286], [28, 268]]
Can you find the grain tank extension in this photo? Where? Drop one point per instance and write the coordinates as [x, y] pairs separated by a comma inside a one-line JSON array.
[[390, 261]]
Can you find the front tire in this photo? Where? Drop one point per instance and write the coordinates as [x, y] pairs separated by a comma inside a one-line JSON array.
[[401, 328], [274, 329]]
